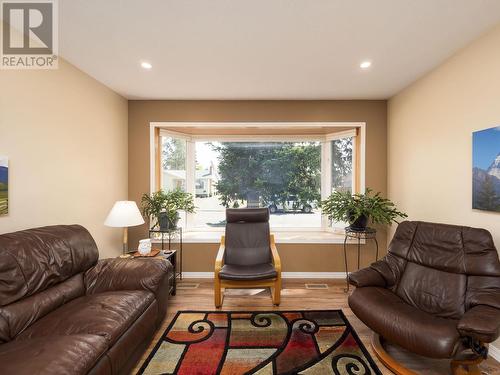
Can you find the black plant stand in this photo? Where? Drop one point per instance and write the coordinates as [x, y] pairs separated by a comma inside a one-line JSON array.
[[172, 237], [359, 235]]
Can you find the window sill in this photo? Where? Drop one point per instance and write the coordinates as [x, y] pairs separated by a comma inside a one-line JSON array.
[[280, 237]]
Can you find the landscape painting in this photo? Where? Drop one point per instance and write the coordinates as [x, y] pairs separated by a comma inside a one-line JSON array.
[[486, 169], [4, 186]]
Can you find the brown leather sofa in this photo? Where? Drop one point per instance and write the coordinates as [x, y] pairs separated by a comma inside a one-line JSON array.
[[436, 293], [64, 312]]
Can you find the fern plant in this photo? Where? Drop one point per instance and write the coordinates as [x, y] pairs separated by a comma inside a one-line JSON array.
[[167, 204], [344, 206]]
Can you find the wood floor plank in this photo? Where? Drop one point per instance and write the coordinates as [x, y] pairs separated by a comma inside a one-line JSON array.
[[295, 296]]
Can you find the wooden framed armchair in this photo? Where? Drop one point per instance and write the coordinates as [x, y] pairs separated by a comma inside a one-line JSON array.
[[247, 256]]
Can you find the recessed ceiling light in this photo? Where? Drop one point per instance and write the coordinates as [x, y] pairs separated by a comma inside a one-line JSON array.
[[146, 65], [365, 64]]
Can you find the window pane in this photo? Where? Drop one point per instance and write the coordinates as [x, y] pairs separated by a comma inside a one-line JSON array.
[[173, 161], [284, 176], [342, 164], [210, 213]]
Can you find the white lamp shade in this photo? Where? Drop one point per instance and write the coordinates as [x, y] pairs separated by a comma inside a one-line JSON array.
[[124, 214]]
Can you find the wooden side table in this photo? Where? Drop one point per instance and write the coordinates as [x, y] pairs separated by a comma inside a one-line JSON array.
[[359, 235]]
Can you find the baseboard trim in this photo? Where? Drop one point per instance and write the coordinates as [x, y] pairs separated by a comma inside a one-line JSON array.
[[313, 275], [494, 352], [285, 275], [198, 275]]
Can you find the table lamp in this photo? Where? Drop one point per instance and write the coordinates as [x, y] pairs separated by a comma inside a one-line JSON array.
[[124, 214]]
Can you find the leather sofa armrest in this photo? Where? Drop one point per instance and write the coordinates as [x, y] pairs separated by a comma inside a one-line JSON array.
[[366, 277], [481, 322], [127, 274]]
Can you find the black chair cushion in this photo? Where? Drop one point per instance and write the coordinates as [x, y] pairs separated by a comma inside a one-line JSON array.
[[262, 271]]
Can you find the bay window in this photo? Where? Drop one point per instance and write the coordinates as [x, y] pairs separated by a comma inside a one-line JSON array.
[[289, 174]]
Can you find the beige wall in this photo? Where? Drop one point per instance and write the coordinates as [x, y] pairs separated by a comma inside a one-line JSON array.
[[296, 258], [430, 136], [66, 138]]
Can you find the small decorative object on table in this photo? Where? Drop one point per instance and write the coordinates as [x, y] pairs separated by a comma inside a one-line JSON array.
[[144, 246], [358, 210]]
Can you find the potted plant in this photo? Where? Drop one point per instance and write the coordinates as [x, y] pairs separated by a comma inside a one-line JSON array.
[[163, 207], [358, 209]]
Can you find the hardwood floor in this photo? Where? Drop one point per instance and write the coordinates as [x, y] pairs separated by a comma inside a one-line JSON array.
[[296, 297]]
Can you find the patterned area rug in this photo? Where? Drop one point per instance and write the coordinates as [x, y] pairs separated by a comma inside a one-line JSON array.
[[275, 342]]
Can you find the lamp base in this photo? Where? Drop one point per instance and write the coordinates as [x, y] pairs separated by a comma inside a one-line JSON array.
[[125, 241]]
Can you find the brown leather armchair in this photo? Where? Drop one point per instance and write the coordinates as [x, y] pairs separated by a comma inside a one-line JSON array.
[[436, 293], [63, 311], [247, 256]]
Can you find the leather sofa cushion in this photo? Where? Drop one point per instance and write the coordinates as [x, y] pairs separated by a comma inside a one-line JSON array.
[[21, 314], [36, 259], [405, 325], [107, 315], [257, 272], [54, 356]]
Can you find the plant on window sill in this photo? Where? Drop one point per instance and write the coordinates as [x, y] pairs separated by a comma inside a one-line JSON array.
[[163, 207], [358, 209]]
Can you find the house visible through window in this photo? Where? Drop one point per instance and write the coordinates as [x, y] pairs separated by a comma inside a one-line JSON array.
[[282, 173]]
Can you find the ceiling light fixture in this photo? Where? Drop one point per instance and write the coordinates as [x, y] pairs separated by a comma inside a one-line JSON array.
[[146, 65], [365, 64]]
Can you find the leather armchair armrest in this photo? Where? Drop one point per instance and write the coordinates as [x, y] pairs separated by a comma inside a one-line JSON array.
[[366, 277], [127, 274], [275, 255], [481, 322]]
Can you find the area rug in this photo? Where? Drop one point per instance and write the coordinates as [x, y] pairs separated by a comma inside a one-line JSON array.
[[271, 342]]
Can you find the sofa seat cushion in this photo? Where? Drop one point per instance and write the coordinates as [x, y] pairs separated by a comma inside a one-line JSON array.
[[402, 324], [52, 356], [107, 314], [258, 272]]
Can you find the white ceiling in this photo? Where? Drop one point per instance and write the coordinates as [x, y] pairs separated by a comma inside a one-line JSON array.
[[266, 49]]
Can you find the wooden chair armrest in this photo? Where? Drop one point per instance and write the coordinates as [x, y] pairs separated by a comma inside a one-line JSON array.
[[219, 260], [276, 256]]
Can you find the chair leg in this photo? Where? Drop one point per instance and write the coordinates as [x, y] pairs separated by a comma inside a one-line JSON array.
[[276, 292], [217, 292]]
